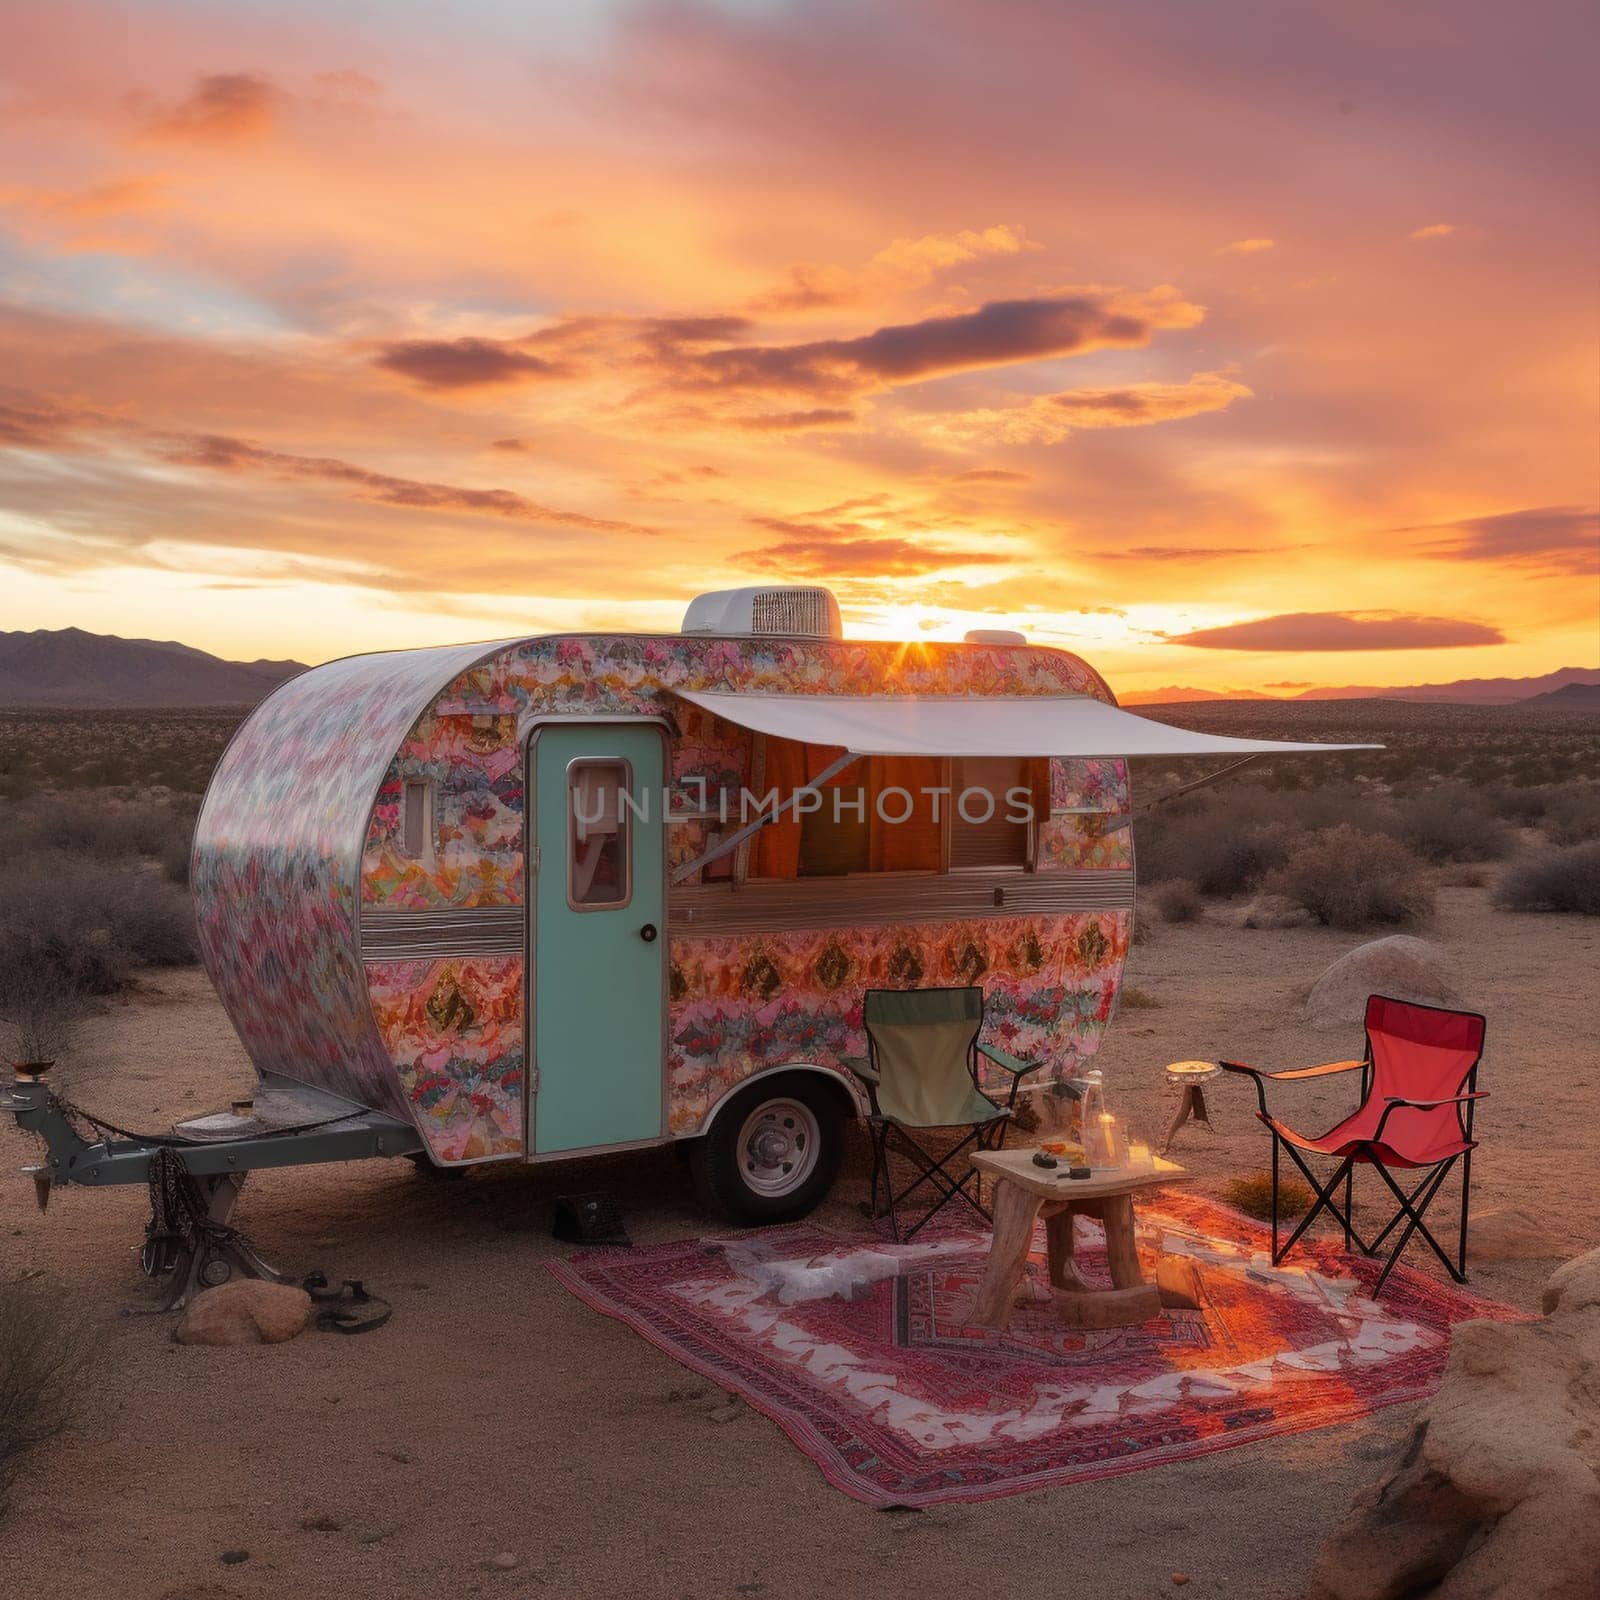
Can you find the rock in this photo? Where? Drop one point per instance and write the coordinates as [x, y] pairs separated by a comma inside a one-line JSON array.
[[1496, 1495], [246, 1311], [503, 1562], [1402, 966], [724, 1413], [1508, 1235], [1274, 911]]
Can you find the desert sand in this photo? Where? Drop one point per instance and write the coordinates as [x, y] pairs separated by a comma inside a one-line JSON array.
[[496, 1414]]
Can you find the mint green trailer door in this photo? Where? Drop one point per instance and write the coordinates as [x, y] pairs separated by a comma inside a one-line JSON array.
[[598, 890]]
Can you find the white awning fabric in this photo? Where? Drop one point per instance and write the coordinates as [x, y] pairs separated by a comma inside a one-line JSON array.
[[977, 725]]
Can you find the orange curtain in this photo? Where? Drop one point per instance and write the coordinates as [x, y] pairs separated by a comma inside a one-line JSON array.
[[912, 845], [790, 766]]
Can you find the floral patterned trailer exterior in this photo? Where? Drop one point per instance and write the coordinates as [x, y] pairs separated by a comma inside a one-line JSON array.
[[572, 893]]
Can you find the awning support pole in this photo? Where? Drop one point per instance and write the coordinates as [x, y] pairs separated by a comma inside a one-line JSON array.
[[1197, 783], [739, 835]]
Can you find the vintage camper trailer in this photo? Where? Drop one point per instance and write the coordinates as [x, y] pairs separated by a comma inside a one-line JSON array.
[[516, 897]]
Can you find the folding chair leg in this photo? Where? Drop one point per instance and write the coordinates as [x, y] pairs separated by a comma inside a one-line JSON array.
[[1466, 1192], [1415, 1224], [1399, 1216], [1324, 1202], [1349, 1187], [1275, 1143]]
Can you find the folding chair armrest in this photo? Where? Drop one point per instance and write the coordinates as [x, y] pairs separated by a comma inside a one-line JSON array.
[[1018, 1068], [1395, 1101], [1325, 1070], [860, 1067], [1254, 1074]]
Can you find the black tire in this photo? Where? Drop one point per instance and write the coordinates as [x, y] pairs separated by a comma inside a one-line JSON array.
[[803, 1138]]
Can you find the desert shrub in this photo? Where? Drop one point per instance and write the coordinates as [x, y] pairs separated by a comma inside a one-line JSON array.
[[1133, 998], [40, 1009], [1218, 855], [1449, 823], [1178, 901], [1461, 875], [1349, 879], [155, 921], [1523, 805], [1554, 880], [175, 858], [95, 825], [44, 1343], [1572, 814], [84, 926], [1253, 1196]]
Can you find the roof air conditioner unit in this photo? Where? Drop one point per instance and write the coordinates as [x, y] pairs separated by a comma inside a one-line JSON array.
[[792, 612]]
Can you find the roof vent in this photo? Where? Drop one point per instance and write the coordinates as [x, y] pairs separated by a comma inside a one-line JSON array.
[[994, 636], [797, 612]]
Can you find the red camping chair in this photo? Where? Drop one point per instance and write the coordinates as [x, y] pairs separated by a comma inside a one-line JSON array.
[[1418, 1087]]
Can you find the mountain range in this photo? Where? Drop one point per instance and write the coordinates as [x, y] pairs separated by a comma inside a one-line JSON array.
[[71, 667], [1550, 687]]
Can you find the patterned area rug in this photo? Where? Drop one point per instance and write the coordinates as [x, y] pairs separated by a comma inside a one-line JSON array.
[[856, 1347]]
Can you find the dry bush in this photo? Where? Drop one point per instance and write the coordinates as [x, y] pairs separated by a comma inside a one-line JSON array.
[[40, 1010], [1572, 814], [1461, 875], [1216, 854], [89, 925], [1450, 823], [1253, 1196], [1554, 880], [1178, 901], [44, 1346], [1349, 879]]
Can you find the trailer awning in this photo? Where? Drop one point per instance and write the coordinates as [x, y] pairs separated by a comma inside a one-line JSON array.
[[978, 725]]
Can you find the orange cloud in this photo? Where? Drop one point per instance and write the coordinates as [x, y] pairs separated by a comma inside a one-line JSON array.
[[1248, 247], [1561, 539], [1341, 630], [903, 265], [1434, 230], [1051, 417], [223, 108]]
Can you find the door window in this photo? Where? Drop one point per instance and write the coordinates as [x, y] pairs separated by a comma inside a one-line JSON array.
[[599, 836]]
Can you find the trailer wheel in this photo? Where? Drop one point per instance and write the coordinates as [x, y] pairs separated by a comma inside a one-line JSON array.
[[773, 1151]]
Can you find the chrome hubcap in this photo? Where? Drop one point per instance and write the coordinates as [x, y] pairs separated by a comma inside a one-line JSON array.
[[778, 1147]]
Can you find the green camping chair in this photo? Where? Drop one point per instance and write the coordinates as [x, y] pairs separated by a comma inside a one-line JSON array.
[[922, 1072]]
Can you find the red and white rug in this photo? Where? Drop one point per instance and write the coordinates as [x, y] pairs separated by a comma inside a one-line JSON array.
[[857, 1349]]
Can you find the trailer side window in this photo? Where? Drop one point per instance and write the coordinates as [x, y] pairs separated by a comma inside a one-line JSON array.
[[880, 814], [416, 816], [599, 843]]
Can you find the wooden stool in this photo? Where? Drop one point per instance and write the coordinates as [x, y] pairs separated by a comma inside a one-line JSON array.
[[1191, 1077]]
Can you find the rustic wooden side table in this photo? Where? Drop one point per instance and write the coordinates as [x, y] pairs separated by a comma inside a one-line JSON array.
[[1024, 1192]]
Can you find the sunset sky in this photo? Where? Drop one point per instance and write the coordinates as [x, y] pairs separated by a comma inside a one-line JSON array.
[[1240, 345]]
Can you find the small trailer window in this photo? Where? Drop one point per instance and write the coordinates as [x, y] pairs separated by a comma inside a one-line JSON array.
[[416, 816], [599, 856]]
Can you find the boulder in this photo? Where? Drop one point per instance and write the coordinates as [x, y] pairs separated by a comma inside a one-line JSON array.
[[1496, 1494], [245, 1311], [1506, 1234], [1402, 966]]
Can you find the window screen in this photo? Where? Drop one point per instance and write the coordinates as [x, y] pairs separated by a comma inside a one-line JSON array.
[[981, 832], [599, 837]]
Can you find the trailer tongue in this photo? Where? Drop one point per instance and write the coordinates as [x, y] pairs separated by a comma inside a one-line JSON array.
[[196, 1172]]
